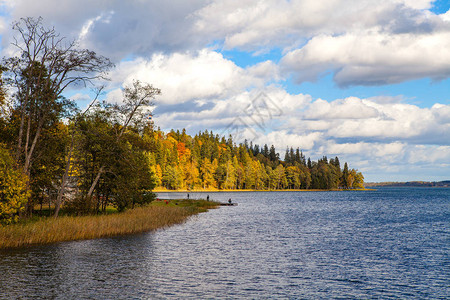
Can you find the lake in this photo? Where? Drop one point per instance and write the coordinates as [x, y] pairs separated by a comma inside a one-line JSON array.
[[392, 243]]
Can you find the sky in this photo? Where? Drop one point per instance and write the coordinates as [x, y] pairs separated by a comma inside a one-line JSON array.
[[365, 80]]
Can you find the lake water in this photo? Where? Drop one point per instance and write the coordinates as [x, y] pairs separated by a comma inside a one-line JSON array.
[[392, 243]]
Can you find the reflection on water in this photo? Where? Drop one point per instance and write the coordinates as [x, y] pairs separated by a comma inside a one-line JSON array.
[[391, 243]]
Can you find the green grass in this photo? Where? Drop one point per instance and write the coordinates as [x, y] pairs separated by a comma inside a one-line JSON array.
[[201, 205], [45, 230]]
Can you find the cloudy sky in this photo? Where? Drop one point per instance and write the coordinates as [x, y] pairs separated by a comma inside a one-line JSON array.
[[366, 80]]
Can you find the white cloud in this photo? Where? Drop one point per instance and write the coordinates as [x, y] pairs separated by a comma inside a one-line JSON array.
[[395, 161], [376, 151], [114, 96], [188, 76], [250, 24], [446, 16], [349, 108], [118, 28], [257, 109], [265, 69], [441, 113], [282, 139], [368, 58], [421, 154], [87, 27], [417, 4], [80, 97], [365, 119]]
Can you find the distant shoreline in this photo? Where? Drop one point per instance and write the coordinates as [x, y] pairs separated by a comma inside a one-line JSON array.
[[444, 184]]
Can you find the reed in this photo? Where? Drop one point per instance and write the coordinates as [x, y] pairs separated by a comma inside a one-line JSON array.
[[50, 230]]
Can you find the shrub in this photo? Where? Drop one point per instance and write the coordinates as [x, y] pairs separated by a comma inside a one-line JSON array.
[[13, 189]]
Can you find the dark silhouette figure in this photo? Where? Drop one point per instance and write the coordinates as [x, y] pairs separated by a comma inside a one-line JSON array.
[[229, 200], [188, 197], [207, 197]]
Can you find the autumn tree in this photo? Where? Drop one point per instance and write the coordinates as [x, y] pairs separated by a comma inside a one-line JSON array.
[[46, 65], [230, 179], [293, 177], [358, 181]]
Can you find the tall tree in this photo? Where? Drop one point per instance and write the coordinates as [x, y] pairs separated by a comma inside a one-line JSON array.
[[265, 151], [292, 156], [298, 158], [45, 67], [345, 177], [273, 155], [287, 156]]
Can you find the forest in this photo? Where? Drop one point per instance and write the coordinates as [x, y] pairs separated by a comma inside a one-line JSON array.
[[52, 152], [205, 161]]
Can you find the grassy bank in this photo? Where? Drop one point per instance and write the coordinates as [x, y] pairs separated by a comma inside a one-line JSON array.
[[49, 230]]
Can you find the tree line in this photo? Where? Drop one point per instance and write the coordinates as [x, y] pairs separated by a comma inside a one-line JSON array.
[[206, 160], [111, 154]]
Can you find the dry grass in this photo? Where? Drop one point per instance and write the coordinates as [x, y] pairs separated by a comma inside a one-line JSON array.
[[50, 230]]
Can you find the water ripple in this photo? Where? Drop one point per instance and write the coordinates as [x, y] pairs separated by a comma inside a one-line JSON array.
[[390, 244]]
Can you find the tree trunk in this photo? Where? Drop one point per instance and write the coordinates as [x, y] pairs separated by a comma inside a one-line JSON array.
[[33, 145], [19, 142], [94, 183], [59, 199], [27, 137], [29, 205]]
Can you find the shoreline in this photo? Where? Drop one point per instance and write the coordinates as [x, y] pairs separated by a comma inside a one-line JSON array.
[[249, 190], [48, 230]]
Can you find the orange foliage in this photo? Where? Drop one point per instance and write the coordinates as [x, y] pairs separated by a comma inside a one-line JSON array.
[[181, 148]]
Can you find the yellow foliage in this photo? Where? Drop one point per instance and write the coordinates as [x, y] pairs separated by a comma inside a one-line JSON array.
[[171, 140], [158, 172], [13, 189]]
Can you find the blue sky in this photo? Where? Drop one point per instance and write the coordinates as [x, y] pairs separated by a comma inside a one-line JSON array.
[[440, 6], [423, 92], [368, 81]]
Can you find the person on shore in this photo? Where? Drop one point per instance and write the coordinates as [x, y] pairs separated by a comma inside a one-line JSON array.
[[207, 198], [188, 197], [229, 201]]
